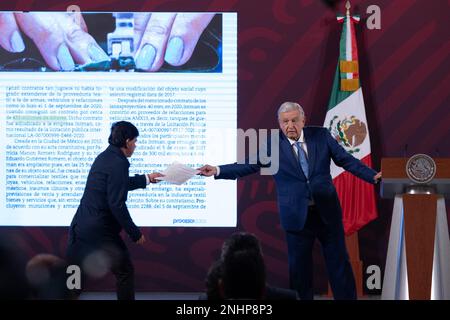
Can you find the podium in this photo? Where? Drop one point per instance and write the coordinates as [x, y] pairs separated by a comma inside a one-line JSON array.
[[418, 257]]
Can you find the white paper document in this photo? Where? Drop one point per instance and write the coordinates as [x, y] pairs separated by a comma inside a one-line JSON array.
[[178, 173]]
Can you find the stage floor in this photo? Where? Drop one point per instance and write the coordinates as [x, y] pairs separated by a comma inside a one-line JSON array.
[[178, 296]]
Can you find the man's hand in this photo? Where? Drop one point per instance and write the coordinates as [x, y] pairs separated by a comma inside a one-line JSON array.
[[170, 37], [141, 240], [61, 37], [377, 177], [152, 177], [207, 170]]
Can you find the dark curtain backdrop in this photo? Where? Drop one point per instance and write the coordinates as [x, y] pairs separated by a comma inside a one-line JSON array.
[[288, 51]]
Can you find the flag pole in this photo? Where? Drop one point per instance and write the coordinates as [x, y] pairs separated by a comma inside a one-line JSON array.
[[352, 240], [348, 6]]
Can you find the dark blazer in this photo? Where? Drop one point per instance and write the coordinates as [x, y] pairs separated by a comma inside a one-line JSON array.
[[102, 212], [294, 190]]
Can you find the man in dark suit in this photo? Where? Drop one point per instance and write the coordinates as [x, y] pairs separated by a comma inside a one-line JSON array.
[[94, 240], [307, 200]]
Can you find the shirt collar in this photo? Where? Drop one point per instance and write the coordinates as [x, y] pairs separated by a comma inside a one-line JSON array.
[[301, 139]]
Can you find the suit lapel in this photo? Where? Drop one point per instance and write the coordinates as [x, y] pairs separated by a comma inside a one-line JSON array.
[[311, 145], [289, 153]]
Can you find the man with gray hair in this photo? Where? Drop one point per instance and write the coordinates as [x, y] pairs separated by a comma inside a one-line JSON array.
[[307, 200]]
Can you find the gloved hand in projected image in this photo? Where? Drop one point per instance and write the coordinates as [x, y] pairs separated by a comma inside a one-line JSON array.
[[61, 37], [169, 37]]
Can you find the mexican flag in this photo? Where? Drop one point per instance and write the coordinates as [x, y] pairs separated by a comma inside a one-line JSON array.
[[347, 122]]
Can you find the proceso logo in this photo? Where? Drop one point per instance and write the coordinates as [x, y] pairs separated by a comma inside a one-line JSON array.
[[188, 221], [175, 221]]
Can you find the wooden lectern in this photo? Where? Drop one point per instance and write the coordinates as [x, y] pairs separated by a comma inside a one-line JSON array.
[[418, 258]]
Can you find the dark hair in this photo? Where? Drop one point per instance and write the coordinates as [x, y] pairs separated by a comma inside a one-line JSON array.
[[47, 276], [121, 131], [244, 275], [13, 281], [243, 268], [240, 241], [212, 281]]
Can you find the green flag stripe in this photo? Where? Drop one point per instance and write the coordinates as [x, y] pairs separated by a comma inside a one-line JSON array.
[[342, 43], [337, 96]]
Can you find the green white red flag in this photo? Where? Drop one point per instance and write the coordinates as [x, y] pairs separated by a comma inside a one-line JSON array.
[[347, 122]]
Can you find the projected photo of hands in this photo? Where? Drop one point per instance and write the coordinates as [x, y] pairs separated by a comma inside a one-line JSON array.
[[66, 77], [108, 42]]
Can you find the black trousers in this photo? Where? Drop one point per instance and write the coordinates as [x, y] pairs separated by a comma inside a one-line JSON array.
[[300, 247], [97, 257]]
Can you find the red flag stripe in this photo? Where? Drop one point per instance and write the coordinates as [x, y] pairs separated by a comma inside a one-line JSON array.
[[357, 199], [354, 46]]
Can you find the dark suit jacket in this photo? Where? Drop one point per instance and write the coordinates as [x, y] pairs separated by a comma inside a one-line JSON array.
[[294, 190], [102, 212]]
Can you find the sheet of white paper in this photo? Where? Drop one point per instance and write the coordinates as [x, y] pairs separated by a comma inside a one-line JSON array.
[[178, 173]]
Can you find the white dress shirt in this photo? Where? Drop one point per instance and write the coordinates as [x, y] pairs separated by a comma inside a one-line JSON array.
[[303, 144]]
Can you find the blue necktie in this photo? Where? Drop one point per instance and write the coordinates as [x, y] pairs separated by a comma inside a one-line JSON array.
[[302, 159]]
